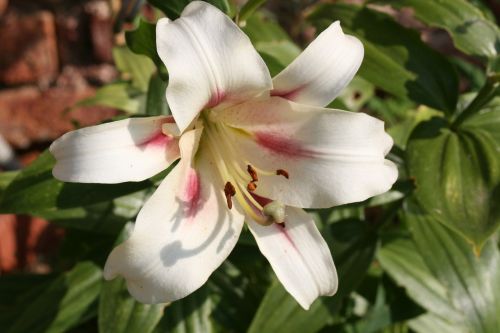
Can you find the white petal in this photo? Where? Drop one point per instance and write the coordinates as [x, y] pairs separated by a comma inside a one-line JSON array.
[[210, 60], [127, 150], [182, 234], [333, 157], [325, 67], [299, 256]]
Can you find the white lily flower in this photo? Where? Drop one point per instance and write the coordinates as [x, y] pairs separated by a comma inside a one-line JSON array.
[[252, 149]]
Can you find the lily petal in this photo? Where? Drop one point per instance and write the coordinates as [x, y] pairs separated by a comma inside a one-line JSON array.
[[182, 234], [210, 61], [332, 157], [126, 150], [299, 256], [327, 65]]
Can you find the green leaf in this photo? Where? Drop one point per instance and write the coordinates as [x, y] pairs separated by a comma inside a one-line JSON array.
[[470, 30], [457, 176], [107, 217], [116, 95], [188, 315], [488, 119], [142, 40], [399, 63], [279, 312], [156, 102], [5, 179], [401, 259], [35, 191], [134, 66], [62, 304], [472, 280], [429, 322], [120, 313], [248, 9], [173, 8], [355, 244], [272, 42]]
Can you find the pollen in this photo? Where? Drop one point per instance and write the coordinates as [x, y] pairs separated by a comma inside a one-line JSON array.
[[253, 173], [229, 191], [252, 186], [282, 172]]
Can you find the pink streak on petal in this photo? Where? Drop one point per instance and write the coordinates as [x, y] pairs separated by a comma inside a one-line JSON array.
[[261, 200], [158, 139], [282, 229], [216, 99], [283, 145], [287, 94], [191, 195]]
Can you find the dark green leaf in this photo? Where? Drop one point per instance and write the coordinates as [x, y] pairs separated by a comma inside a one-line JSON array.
[[355, 244], [457, 176], [189, 315], [399, 63], [35, 191], [156, 102], [173, 8], [279, 312], [471, 31], [120, 313], [62, 304]]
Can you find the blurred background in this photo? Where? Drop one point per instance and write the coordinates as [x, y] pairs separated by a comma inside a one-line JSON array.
[[65, 64]]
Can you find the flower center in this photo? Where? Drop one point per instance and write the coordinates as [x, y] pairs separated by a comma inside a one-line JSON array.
[[239, 175]]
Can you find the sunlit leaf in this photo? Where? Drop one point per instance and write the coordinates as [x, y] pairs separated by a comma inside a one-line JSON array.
[[116, 95], [457, 177], [138, 68]]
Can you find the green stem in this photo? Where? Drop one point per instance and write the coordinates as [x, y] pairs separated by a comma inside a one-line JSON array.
[[490, 89]]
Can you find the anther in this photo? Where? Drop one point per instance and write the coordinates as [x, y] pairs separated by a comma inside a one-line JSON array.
[[252, 173], [251, 186], [282, 172], [229, 191]]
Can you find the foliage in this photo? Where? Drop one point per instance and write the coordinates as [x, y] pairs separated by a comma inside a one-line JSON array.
[[423, 257]]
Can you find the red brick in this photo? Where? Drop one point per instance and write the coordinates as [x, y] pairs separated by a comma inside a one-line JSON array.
[[29, 48], [29, 115]]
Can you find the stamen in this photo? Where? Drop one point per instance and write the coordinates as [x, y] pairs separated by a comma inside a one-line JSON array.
[[251, 186], [282, 172], [253, 173], [229, 191]]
